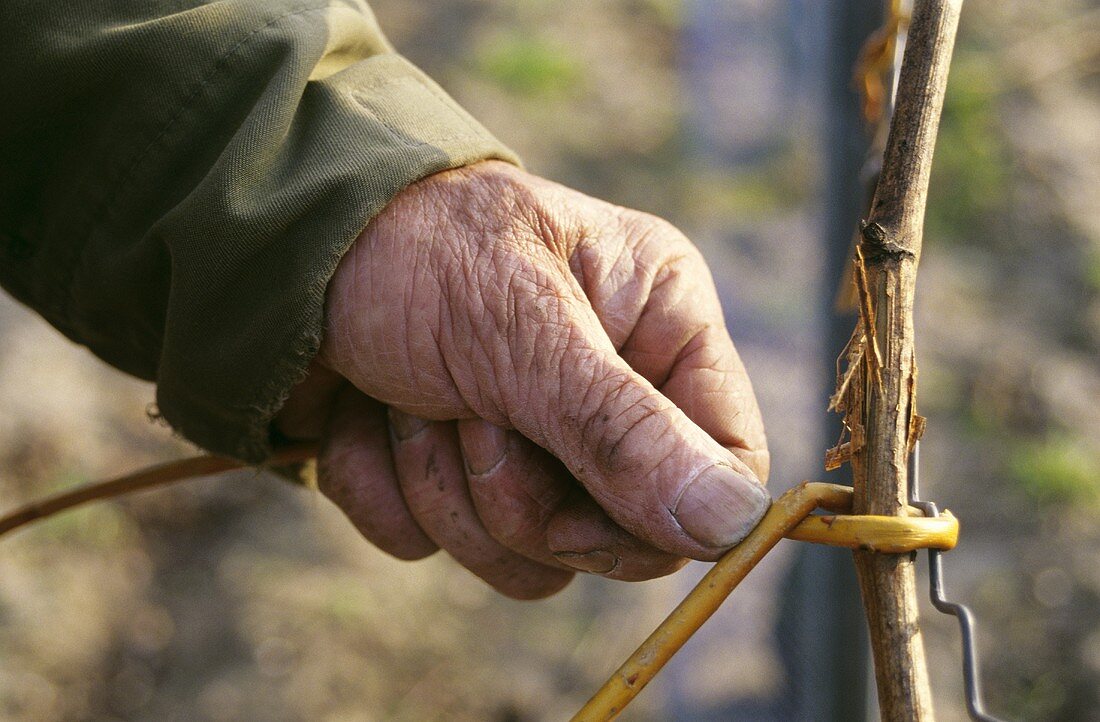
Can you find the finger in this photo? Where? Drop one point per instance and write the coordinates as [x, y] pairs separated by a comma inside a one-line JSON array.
[[519, 490], [581, 535], [513, 486], [680, 344], [710, 384], [654, 471], [355, 470], [430, 469]]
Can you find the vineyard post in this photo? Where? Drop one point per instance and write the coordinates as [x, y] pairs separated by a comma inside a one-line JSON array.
[[878, 394]]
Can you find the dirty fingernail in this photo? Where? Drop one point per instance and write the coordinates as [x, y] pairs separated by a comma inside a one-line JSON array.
[[406, 426], [597, 562], [719, 507], [483, 445]]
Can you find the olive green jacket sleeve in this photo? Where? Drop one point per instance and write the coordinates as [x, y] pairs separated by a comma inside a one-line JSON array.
[[178, 181]]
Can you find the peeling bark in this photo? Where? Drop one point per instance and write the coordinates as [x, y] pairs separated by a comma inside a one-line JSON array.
[[877, 391]]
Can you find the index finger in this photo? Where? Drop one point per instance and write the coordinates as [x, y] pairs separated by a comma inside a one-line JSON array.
[[667, 323]]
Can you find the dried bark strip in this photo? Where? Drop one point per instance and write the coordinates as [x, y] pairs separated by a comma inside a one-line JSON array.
[[878, 400]]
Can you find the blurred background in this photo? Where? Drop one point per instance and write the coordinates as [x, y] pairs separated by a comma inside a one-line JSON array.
[[241, 597]]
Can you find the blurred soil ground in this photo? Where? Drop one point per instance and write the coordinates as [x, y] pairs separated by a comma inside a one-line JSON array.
[[243, 598]]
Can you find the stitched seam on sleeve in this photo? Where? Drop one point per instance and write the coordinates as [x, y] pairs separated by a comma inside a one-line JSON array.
[[471, 129], [219, 65], [466, 119]]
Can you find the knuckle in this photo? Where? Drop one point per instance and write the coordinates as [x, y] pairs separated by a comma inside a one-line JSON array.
[[643, 227], [663, 249]]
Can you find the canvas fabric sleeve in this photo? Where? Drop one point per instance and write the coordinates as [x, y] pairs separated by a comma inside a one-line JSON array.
[[178, 181]]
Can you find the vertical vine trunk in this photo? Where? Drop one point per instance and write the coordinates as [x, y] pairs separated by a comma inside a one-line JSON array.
[[877, 391]]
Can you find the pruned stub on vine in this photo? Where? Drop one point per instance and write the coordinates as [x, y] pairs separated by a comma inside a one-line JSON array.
[[860, 364]]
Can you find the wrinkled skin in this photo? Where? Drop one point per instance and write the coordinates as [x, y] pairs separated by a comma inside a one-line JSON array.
[[535, 381]]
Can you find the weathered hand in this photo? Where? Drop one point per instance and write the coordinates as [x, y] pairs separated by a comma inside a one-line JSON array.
[[486, 315]]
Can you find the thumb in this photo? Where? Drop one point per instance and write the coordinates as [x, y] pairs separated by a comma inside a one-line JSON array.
[[653, 471]]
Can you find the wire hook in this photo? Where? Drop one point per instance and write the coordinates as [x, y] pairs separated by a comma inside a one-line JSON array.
[[967, 626]]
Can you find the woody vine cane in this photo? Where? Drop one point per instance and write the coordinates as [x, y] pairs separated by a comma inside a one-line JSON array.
[[876, 393]]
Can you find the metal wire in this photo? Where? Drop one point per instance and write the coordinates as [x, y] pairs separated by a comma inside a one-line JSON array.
[[971, 674], [790, 512]]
